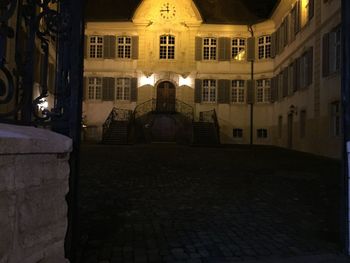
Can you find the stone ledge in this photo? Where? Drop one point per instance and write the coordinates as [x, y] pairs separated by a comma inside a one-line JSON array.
[[30, 140]]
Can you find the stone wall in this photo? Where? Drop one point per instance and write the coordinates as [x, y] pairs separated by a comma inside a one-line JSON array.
[[34, 173]]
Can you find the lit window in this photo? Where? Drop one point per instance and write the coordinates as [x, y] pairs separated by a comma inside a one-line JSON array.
[[124, 47], [336, 127], [96, 46], [94, 88], [167, 47], [123, 89], [209, 48], [237, 133], [209, 90], [237, 93], [264, 47], [261, 133], [263, 90], [238, 49]]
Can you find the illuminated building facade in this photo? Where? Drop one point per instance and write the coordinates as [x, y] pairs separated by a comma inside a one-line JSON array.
[[286, 69]]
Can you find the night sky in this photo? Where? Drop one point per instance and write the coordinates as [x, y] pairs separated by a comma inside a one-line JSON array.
[[212, 11]]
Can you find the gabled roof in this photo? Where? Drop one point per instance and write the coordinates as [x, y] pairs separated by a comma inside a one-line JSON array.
[[212, 11]]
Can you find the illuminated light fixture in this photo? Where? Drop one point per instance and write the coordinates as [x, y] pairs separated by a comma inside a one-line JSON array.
[[185, 80], [240, 56], [43, 105], [147, 79]]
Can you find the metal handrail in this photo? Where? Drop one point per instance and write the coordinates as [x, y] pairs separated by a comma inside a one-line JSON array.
[[211, 117], [144, 108], [185, 109], [116, 115]]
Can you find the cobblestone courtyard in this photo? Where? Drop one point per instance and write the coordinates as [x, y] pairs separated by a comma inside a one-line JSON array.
[[171, 203]]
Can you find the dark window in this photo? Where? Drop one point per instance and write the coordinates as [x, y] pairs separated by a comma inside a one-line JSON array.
[[262, 133], [237, 133]]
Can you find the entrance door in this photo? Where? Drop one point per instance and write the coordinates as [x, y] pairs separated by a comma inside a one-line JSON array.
[[166, 97], [290, 131]]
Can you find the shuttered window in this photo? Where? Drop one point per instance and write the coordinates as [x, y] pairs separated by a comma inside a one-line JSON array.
[[331, 52], [263, 90], [124, 45], [264, 47], [209, 48], [95, 46], [167, 47], [209, 90], [122, 91], [238, 47], [237, 91], [94, 88]]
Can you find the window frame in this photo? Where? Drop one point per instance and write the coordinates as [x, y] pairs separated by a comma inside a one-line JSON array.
[[125, 96], [265, 90], [264, 47], [169, 48], [262, 133], [94, 87], [239, 88], [124, 46], [210, 47], [98, 46], [210, 88], [236, 132], [239, 48]]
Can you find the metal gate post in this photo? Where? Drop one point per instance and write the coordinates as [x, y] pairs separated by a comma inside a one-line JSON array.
[[346, 113]]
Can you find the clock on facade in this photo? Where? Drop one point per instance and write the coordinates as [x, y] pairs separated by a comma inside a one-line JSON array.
[[167, 11]]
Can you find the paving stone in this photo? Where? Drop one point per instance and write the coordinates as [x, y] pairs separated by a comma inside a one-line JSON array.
[[171, 203]]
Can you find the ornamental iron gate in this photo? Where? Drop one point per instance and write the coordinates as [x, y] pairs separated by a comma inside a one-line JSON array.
[[41, 70]]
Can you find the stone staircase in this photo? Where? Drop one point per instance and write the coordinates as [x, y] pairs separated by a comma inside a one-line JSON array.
[[117, 133], [205, 133]]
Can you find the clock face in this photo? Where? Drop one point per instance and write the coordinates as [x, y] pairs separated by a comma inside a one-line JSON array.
[[167, 11]]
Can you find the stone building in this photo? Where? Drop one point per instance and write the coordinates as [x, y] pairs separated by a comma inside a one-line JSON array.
[[272, 81]]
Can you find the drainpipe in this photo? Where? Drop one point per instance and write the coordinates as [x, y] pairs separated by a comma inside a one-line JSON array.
[[345, 182], [251, 104]]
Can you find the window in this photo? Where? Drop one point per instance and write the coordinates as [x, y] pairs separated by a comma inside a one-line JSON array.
[[263, 90], [167, 47], [302, 123], [123, 89], [264, 47], [209, 48], [124, 47], [238, 49], [280, 126], [262, 133], [334, 50], [237, 93], [209, 90], [95, 88], [96, 46], [307, 11], [237, 133], [336, 125]]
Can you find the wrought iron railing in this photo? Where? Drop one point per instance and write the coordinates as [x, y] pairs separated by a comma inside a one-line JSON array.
[[185, 109], [116, 115], [144, 108]]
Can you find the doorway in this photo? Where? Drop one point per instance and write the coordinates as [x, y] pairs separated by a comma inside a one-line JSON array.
[[166, 95]]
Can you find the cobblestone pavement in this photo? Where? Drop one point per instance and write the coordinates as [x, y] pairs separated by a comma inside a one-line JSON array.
[[171, 203]]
